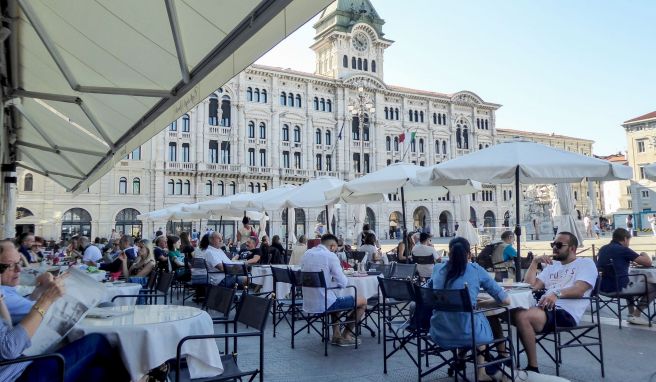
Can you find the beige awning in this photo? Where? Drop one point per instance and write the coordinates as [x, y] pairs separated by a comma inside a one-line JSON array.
[[90, 81]]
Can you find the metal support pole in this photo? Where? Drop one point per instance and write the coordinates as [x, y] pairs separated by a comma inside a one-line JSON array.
[[518, 229], [405, 228]]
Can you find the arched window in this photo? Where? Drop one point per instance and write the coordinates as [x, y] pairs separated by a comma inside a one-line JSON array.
[[208, 188], [185, 123], [285, 133], [173, 152], [478, 123], [365, 65], [173, 126], [316, 103], [444, 147], [328, 137], [297, 134], [421, 145], [171, 187], [251, 129], [220, 190], [465, 137], [262, 130], [444, 119], [410, 115], [249, 94], [263, 98], [388, 143], [28, 183], [458, 138], [365, 128], [225, 111], [486, 126], [136, 186], [413, 146], [480, 146], [359, 63], [187, 188], [127, 222], [345, 61], [416, 116], [233, 188], [329, 106], [290, 99], [396, 143], [298, 100], [317, 137], [123, 185], [258, 188], [283, 98], [251, 187], [435, 118], [76, 221], [178, 187], [355, 129], [437, 146], [185, 153], [373, 66], [257, 95], [396, 113], [323, 104], [421, 116], [213, 115], [386, 113], [354, 63], [264, 186]]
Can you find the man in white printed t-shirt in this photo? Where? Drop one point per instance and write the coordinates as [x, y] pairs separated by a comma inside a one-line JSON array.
[[566, 279]]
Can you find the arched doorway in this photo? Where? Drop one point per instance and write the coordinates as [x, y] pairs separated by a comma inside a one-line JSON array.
[[26, 225], [472, 216], [395, 224], [488, 219], [322, 219], [300, 222], [128, 224], [76, 221], [421, 219], [445, 223], [370, 218], [506, 219]]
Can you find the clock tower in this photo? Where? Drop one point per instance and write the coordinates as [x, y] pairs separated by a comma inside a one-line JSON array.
[[349, 40]]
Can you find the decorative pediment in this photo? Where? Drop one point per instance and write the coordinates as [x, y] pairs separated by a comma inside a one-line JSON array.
[[466, 98], [369, 82]]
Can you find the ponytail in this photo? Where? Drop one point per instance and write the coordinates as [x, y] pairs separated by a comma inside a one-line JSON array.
[[459, 249]]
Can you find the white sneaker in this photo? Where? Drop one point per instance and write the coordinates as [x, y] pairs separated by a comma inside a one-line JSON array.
[[638, 320]]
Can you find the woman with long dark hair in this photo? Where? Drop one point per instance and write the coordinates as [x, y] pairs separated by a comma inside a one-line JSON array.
[[454, 329]]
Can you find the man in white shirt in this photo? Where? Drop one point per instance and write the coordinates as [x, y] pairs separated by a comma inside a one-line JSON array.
[[425, 248], [566, 279], [91, 255], [323, 258], [215, 257]]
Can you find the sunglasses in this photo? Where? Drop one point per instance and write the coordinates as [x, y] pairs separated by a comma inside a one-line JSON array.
[[14, 266], [557, 245]]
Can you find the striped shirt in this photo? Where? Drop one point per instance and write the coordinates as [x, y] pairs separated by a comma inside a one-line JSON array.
[[13, 341]]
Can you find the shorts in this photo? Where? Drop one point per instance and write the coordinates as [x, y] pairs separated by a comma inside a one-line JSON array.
[[343, 303], [564, 319]]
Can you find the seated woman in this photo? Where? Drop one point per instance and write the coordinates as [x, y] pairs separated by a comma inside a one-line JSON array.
[[454, 329], [405, 254], [139, 271], [373, 254], [90, 358], [176, 258]]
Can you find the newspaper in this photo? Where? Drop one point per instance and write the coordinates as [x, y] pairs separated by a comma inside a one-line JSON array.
[[81, 293]]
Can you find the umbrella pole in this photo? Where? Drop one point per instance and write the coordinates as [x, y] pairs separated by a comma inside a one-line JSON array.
[[287, 231], [221, 229], [327, 220], [518, 230], [405, 228]]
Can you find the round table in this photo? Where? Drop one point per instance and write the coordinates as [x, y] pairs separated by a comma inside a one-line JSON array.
[[98, 276], [122, 288], [266, 281], [366, 286], [148, 335], [521, 298], [649, 272]]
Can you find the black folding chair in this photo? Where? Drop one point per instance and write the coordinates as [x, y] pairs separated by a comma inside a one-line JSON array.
[[317, 280], [610, 298], [584, 335], [373, 302], [285, 308], [253, 312], [403, 271], [458, 301], [164, 281], [219, 299], [57, 374], [356, 256], [200, 280]]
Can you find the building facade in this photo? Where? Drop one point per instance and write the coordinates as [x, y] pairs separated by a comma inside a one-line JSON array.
[[271, 126]]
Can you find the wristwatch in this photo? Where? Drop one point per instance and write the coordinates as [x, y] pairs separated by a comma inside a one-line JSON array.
[[558, 293]]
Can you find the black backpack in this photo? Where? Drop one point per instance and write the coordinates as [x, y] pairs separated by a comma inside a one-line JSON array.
[[484, 258]]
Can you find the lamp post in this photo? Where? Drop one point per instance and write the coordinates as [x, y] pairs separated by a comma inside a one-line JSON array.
[[361, 106]]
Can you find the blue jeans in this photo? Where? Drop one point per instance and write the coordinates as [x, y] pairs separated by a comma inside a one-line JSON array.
[[91, 358], [345, 302]]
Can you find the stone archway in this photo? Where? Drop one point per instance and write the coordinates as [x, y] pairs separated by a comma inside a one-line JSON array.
[[445, 221], [472, 216], [395, 225], [421, 219], [489, 219]]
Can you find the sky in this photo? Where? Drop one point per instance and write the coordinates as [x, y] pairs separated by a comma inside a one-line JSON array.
[[577, 68]]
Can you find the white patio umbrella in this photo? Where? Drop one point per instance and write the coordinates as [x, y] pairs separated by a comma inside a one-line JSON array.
[[465, 228], [529, 163], [565, 220], [404, 178]]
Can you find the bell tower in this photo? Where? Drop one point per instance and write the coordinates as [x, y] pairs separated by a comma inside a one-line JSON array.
[[349, 40]]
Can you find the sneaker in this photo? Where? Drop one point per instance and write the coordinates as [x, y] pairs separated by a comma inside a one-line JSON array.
[[638, 320]]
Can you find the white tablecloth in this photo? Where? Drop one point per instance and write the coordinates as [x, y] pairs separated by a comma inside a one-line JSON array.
[[282, 289], [99, 276], [367, 286], [650, 272], [148, 336], [519, 298], [115, 289]]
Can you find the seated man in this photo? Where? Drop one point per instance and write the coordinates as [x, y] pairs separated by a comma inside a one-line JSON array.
[[425, 248], [250, 253], [618, 253], [215, 257], [91, 255], [566, 279], [322, 258], [161, 253], [90, 358]]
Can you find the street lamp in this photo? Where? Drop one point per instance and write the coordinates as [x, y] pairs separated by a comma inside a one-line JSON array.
[[361, 106]]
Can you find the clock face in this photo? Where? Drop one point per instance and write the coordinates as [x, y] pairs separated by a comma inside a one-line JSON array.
[[360, 41]]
